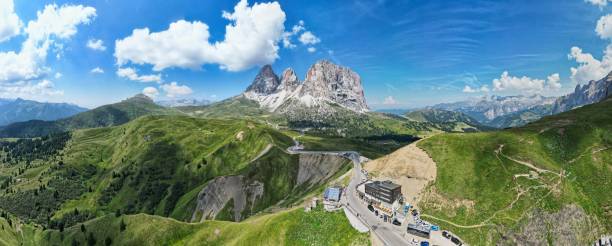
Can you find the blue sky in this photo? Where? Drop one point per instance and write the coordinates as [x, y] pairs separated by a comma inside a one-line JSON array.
[[408, 53]]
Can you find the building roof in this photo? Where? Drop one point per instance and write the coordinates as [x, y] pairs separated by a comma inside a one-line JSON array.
[[389, 185], [385, 184], [332, 193]]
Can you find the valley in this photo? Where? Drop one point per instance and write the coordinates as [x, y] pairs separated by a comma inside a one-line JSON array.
[[241, 170]]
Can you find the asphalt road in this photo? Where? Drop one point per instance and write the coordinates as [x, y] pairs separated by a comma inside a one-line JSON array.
[[388, 233]]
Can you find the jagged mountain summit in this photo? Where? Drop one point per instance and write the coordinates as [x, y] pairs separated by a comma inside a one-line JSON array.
[[326, 84], [594, 91]]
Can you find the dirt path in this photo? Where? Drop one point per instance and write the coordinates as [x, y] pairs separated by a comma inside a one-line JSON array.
[[409, 166], [499, 151]]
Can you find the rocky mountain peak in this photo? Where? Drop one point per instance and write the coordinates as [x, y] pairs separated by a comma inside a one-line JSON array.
[[266, 82], [325, 84], [335, 83], [592, 92], [289, 80]]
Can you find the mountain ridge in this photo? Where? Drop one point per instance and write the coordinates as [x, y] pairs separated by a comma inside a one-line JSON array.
[[17, 110]]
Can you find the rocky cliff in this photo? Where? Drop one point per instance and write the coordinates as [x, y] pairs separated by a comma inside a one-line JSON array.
[[325, 84], [594, 91]]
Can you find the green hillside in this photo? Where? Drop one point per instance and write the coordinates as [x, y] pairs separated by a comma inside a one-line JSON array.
[[291, 227], [445, 120], [516, 186], [155, 165], [107, 115]]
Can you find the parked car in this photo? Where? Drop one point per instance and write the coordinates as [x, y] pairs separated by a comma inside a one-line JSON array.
[[397, 223], [385, 218], [415, 212], [424, 243], [371, 208], [376, 212], [456, 241], [446, 234]]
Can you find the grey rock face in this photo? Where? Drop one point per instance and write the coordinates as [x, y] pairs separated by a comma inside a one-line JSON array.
[[289, 80], [592, 92], [326, 83], [213, 198], [266, 81], [335, 83]]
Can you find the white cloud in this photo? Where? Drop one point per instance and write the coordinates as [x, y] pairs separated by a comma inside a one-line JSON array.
[[308, 38], [97, 70], [589, 68], [23, 72], [525, 84], [131, 74], [58, 75], [389, 101], [175, 90], [10, 24], [251, 39], [312, 49], [553, 81], [599, 3], [96, 44], [604, 27], [469, 89], [151, 92], [30, 89], [294, 31]]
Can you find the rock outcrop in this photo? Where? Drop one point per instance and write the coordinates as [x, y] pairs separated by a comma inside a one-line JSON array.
[[326, 84], [594, 91], [218, 192]]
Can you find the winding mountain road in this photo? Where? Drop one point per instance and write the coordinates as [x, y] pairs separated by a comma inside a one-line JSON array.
[[388, 233]]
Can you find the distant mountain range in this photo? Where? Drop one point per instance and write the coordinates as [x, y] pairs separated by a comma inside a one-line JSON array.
[[449, 121], [486, 109], [103, 116], [183, 102], [512, 111], [16, 110]]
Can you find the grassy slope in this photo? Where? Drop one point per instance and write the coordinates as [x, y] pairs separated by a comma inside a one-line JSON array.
[[292, 227], [469, 170]]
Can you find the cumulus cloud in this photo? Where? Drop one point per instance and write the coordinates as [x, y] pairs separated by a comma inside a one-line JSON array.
[[287, 43], [30, 89], [469, 89], [525, 84], [312, 49], [251, 38], [308, 38], [389, 101], [599, 3], [23, 72], [97, 70], [589, 68], [96, 44], [10, 24], [174, 90], [58, 75], [131, 74], [604, 27], [151, 92]]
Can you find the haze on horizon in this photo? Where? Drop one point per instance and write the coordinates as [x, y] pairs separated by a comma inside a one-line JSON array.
[[409, 54]]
